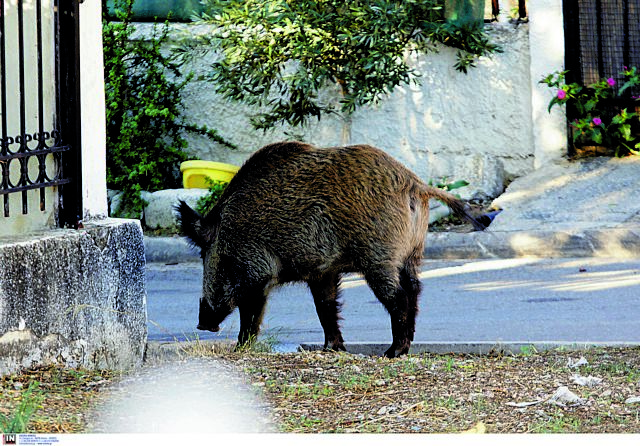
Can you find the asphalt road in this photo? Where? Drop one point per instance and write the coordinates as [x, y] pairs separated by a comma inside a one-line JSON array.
[[514, 300]]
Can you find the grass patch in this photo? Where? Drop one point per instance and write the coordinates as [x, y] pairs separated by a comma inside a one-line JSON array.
[[312, 392]]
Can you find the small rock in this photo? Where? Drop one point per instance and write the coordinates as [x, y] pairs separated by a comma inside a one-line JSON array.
[[632, 400], [564, 396], [379, 382], [574, 364], [589, 381]]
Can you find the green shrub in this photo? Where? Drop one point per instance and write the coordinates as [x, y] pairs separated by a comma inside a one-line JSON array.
[[280, 54], [145, 125], [207, 202], [599, 118]]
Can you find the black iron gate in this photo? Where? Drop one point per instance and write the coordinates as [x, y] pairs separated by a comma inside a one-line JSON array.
[[40, 145], [601, 38]]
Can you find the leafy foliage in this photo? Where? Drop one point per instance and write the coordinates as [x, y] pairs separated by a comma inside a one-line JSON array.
[[280, 54], [208, 201], [447, 185], [145, 126], [596, 124]]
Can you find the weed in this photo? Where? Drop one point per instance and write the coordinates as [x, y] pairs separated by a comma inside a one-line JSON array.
[[528, 350], [410, 366], [29, 403], [450, 364], [208, 201], [448, 403], [355, 381], [294, 423], [253, 345], [558, 422], [480, 404], [389, 372]]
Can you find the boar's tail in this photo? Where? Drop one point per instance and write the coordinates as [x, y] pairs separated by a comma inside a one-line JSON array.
[[459, 207]]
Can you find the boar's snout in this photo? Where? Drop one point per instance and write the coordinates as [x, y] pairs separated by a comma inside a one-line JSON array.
[[205, 328]]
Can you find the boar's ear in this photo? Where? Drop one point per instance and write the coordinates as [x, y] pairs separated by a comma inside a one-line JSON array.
[[194, 226]]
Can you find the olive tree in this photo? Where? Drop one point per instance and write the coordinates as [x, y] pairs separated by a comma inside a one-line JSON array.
[[279, 55]]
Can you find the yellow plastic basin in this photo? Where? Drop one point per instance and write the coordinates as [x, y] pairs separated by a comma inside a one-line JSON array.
[[195, 173]]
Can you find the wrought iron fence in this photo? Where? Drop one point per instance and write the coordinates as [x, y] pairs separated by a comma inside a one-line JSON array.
[[601, 37], [39, 145]]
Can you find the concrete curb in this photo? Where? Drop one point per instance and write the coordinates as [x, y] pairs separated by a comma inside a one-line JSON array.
[[169, 250], [472, 348], [615, 242], [168, 351]]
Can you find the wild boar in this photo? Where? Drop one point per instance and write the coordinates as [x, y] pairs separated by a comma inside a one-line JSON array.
[[297, 213]]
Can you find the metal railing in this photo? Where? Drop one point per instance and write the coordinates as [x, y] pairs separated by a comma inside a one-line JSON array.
[[34, 144]]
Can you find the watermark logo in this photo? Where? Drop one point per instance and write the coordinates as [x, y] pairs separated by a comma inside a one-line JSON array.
[[9, 439]]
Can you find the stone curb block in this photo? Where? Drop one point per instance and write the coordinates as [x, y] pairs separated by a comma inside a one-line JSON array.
[[169, 250], [606, 242]]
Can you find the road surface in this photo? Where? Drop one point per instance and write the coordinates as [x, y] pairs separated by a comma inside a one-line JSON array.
[[511, 300]]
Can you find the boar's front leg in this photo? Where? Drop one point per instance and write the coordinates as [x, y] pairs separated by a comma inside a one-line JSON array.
[[325, 296], [251, 312]]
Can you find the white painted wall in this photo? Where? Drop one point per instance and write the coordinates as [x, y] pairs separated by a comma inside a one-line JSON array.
[[486, 127]]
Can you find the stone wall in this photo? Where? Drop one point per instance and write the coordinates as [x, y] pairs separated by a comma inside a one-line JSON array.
[[477, 127], [73, 297]]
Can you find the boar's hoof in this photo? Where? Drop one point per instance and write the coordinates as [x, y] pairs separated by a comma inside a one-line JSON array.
[[394, 351], [335, 348], [205, 328]]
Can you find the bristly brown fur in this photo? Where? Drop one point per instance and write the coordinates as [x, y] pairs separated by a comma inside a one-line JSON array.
[[295, 212]]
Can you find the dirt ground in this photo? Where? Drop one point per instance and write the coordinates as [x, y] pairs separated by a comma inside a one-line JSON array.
[[595, 391], [311, 392]]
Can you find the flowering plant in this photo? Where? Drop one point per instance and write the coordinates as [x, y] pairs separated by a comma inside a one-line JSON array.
[[600, 120]]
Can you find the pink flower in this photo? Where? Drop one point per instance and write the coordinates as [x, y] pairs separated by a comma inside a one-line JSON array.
[[562, 94], [597, 121], [611, 81]]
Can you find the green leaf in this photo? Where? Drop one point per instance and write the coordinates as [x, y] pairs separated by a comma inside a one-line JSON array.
[[360, 46], [457, 184], [625, 131]]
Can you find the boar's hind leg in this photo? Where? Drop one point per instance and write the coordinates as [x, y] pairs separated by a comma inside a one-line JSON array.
[[325, 296], [251, 312], [410, 283], [398, 293]]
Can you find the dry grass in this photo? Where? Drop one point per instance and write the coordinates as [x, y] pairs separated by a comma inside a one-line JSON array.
[[60, 398], [329, 392], [324, 392]]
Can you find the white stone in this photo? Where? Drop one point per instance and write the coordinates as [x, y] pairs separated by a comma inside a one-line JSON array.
[[160, 211]]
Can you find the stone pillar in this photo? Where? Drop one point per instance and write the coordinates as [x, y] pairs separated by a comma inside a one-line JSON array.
[[546, 41]]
